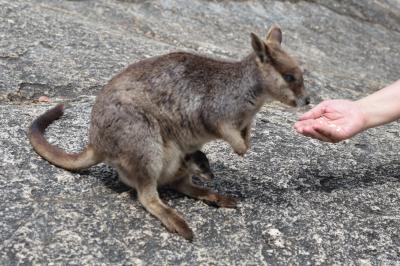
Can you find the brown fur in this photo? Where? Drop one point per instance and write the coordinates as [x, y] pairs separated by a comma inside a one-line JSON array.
[[53, 154], [155, 112]]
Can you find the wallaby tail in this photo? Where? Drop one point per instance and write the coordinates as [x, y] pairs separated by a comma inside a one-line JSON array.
[[53, 154]]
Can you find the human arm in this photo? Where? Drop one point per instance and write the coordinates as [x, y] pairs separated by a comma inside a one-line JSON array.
[[337, 120], [382, 106]]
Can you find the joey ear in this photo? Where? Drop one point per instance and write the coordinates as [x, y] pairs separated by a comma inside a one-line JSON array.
[[259, 47], [274, 34]]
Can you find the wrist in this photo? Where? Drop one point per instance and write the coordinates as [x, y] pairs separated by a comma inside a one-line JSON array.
[[367, 114]]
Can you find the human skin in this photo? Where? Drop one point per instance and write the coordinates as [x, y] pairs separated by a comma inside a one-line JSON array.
[[337, 120]]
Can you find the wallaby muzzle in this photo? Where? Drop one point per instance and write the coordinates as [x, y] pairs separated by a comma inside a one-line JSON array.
[[303, 101]]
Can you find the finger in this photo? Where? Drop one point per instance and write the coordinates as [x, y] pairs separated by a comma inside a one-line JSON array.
[[311, 132], [300, 125], [315, 112]]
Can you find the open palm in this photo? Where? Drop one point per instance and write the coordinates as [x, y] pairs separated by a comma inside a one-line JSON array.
[[332, 121]]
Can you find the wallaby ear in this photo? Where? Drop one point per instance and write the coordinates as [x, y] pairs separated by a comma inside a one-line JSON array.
[[274, 34], [259, 47]]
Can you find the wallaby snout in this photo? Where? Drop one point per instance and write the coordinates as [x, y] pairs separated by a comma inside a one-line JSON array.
[[302, 97], [303, 101]]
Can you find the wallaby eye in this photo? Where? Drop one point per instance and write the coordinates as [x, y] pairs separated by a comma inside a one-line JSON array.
[[288, 77]]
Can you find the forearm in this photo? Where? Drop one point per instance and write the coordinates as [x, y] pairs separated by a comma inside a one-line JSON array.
[[382, 106]]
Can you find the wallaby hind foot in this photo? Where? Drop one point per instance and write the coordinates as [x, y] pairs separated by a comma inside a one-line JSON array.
[[171, 219]]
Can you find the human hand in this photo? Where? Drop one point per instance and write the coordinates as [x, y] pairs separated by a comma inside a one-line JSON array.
[[332, 121]]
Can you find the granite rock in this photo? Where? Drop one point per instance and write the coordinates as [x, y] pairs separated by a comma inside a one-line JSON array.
[[302, 202]]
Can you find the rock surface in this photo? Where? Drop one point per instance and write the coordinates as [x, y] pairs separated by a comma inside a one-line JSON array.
[[301, 201]]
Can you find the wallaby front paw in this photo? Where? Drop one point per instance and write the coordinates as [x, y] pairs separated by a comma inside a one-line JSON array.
[[248, 145], [241, 150], [245, 133]]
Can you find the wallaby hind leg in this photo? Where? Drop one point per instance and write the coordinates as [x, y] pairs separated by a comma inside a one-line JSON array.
[[185, 186], [149, 198], [136, 135], [146, 188]]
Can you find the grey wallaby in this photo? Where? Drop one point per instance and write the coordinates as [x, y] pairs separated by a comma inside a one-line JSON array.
[[151, 118]]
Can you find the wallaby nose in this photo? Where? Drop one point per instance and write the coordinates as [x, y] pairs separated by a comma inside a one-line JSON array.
[[303, 101], [307, 100]]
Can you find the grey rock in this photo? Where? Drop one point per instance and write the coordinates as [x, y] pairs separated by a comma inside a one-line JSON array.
[[302, 202]]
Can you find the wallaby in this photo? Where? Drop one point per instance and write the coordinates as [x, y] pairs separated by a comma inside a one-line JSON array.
[[197, 164], [149, 117]]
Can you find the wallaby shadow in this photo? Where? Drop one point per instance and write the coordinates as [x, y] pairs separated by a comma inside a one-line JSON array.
[[109, 178], [310, 179], [231, 182], [243, 185]]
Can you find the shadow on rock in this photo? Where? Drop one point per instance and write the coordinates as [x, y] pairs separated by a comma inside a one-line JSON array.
[[108, 177], [230, 181], [313, 180], [248, 188]]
